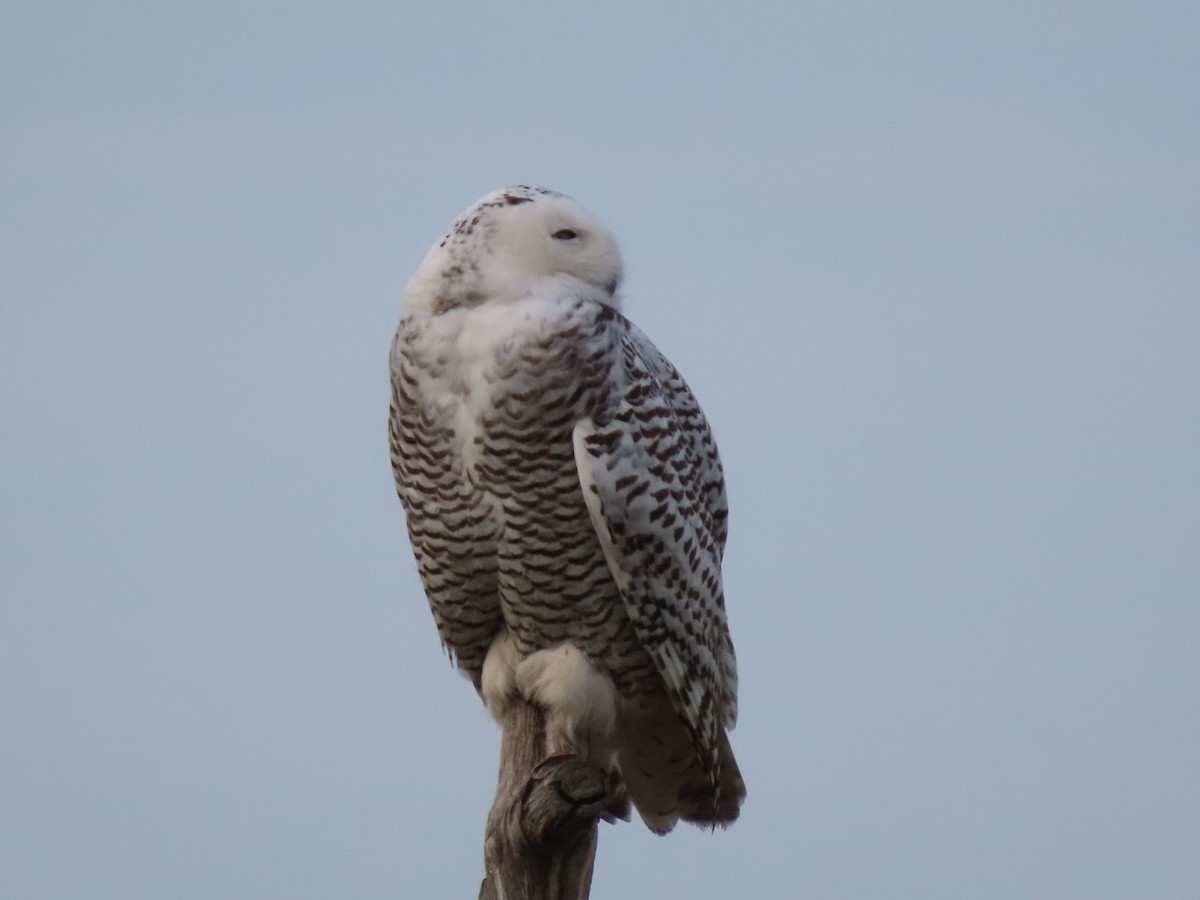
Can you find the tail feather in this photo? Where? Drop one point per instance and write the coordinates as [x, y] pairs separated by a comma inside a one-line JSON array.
[[666, 780]]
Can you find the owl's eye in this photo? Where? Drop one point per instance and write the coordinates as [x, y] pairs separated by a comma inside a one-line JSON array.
[[565, 234]]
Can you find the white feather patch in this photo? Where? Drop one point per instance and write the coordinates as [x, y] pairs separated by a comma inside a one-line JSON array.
[[499, 682], [580, 702]]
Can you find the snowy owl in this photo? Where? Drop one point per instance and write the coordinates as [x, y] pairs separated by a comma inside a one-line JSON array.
[[566, 504]]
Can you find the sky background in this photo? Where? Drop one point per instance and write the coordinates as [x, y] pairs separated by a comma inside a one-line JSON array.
[[930, 267]]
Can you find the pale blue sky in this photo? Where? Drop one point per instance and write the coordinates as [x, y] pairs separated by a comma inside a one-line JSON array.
[[932, 270]]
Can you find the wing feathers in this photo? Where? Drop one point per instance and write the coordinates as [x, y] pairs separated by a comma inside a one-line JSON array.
[[653, 486]]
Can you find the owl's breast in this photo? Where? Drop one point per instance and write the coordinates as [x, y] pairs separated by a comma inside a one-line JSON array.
[[517, 377]]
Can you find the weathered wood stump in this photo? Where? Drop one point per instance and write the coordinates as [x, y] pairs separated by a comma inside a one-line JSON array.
[[540, 842]]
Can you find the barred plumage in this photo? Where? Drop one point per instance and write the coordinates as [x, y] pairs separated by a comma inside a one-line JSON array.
[[566, 503]]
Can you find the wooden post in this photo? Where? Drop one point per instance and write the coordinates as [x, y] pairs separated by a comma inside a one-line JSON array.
[[540, 842]]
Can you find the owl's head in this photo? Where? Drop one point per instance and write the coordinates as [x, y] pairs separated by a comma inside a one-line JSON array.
[[512, 242]]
